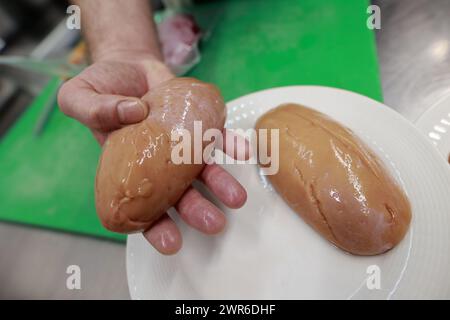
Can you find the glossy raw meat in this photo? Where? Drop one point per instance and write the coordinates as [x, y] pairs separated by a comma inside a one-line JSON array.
[[335, 182], [136, 180]]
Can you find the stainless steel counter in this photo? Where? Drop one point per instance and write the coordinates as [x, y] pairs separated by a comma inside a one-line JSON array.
[[414, 53]]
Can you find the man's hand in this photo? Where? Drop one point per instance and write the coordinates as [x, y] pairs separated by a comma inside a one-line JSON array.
[[106, 96]]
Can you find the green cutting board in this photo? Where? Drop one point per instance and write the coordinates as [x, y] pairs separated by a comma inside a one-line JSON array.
[[48, 180]]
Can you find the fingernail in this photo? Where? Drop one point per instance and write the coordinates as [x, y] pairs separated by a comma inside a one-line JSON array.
[[213, 222], [131, 111]]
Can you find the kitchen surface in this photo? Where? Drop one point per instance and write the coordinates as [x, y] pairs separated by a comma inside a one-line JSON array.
[[413, 50]]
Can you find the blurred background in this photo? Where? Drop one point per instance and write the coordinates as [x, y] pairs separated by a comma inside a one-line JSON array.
[[409, 67], [33, 28]]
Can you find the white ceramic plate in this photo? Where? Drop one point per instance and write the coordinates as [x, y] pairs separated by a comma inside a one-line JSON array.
[[268, 252], [435, 124]]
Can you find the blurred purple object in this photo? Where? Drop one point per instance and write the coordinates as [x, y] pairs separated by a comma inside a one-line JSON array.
[[179, 36]]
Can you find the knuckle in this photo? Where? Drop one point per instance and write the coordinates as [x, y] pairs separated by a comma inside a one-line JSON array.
[[95, 117], [98, 118], [63, 98]]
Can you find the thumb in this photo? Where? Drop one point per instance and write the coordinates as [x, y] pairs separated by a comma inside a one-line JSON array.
[[102, 112]]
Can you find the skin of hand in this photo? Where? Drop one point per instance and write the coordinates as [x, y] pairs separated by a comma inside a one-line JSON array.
[[106, 96]]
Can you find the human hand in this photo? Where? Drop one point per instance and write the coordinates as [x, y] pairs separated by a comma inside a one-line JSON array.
[[107, 96], [198, 212]]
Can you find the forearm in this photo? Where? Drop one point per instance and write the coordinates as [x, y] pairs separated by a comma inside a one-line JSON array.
[[116, 26]]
